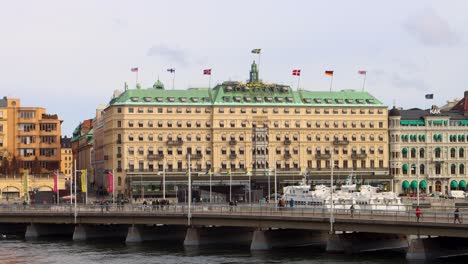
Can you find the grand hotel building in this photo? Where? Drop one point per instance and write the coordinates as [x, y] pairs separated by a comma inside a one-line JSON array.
[[239, 131]]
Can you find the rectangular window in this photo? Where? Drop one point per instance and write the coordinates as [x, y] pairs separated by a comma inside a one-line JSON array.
[[130, 109]]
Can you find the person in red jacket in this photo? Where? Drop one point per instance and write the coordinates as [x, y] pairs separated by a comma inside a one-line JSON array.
[[418, 213]]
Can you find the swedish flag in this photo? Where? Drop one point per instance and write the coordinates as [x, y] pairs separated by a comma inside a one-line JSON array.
[[256, 51]]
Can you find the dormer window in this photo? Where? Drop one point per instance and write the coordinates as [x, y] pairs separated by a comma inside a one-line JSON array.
[[289, 99], [134, 99], [170, 99], [159, 99], [247, 99], [318, 100], [279, 99], [195, 99], [258, 99], [349, 101], [183, 99], [147, 99], [328, 101], [307, 100]]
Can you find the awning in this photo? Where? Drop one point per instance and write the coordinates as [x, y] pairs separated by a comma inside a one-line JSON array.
[[423, 184], [454, 184], [405, 185], [414, 184], [462, 184], [405, 166], [404, 150], [436, 136]]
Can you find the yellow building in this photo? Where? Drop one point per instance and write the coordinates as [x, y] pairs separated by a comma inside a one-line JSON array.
[[31, 137], [66, 163], [3, 135], [241, 132]]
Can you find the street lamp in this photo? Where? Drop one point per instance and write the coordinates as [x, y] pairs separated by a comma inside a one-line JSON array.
[[331, 193]]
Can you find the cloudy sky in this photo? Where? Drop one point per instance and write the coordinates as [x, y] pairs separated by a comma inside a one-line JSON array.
[[69, 56]]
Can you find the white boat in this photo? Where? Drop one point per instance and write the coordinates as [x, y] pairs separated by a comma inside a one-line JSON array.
[[365, 198]]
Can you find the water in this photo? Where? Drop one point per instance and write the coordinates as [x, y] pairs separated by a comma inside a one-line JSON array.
[[69, 252]]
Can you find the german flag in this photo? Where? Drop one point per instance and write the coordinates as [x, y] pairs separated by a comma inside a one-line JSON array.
[[329, 73]]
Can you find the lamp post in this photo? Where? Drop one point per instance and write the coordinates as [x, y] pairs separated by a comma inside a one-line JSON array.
[[250, 186], [268, 174], [331, 194], [210, 174], [417, 177], [164, 180], [189, 215], [276, 190]]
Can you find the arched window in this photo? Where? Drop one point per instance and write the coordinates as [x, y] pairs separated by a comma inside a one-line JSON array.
[[404, 153], [461, 153], [452, 152], [453, 169], [421, 169], [437, 152], [462, 169], [413, 153], [413, 169], [421, 153], [405, 169]]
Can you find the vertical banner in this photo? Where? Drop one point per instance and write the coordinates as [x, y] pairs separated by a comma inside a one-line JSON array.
[[25, 182], [55, 176], [84, 181], [111, 182]]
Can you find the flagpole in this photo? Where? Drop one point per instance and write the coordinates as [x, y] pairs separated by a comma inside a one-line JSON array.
[[331, 83], [173, 80], [298, 81], [364, 83], [210, 183], [136, 80], [259, 56], [209, 82], [189, 215]]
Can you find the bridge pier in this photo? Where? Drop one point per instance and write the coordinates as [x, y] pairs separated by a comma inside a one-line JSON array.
[[351, 243], [277, 238], [87, 232], [140, 233], [436, 247], [197, 236], [34, 231]]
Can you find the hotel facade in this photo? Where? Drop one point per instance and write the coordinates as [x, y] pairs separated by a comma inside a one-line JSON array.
[[242, 135]]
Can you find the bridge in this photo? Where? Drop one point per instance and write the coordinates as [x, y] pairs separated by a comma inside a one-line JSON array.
[[264, 227]]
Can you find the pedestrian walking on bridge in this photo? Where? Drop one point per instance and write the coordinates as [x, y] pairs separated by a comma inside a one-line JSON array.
[[418, 213], [456, 216]]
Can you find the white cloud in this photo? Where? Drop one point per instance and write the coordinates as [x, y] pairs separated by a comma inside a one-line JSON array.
[[431, 29]]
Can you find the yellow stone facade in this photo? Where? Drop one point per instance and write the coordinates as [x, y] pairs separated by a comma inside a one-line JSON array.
[[144, 141]]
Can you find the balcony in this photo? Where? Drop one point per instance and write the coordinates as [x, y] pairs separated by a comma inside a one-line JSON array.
[[233, 156], [287, 155], [287, 142], [175, 142], [232, 142], [119, 155], [322, 156], [358, 156], [196, 156], [155, 157], [340, 142]]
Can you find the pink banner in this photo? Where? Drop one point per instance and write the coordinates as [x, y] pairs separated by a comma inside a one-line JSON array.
[[55, 182], [111, 182]]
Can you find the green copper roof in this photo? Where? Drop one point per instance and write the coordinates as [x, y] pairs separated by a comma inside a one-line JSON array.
[[252, 93]]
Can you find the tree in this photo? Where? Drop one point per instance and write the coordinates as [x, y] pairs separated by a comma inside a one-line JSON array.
[[4, 169], [13, 168]]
